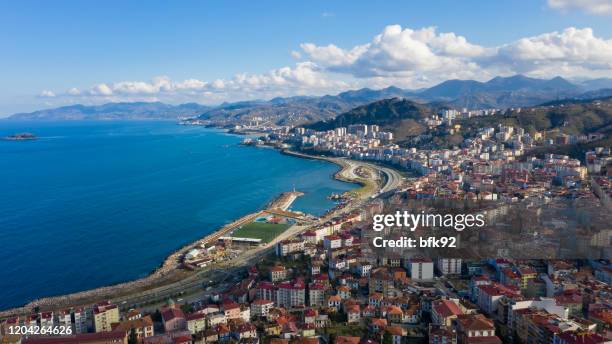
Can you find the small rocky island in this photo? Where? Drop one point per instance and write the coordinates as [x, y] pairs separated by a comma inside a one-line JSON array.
[[20, 137]]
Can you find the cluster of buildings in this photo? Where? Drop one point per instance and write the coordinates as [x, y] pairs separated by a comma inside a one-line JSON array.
[[100, 323], [203, 255], [447, 116], [326, 286], [489, 165]]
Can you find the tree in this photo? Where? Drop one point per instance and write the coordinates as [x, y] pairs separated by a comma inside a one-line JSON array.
[[133, 338], [387, 339], [187, 308], [157, 317]]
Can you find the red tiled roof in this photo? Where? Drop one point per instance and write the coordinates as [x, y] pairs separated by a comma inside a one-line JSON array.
[[228, 305], [484, 340], [316, 286], [420, 260], [332, 237], [446, 308], [77, 339], [297, 284], [379, 322], [262, 302], [310, 313], [195, 316], [573, 338], [499, 289], [172, 313], [182, 339], [475, 322], [347, 340]]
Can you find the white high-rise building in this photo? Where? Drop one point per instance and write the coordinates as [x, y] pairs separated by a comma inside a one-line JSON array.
[[421, 268], [449, 266]]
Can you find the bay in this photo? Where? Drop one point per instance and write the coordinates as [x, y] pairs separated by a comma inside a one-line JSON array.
[[90, 204]]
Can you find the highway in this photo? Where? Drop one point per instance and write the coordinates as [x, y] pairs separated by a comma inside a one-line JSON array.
[[393, 178]]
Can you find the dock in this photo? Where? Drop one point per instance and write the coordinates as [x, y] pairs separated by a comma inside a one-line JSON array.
[[284, 201]]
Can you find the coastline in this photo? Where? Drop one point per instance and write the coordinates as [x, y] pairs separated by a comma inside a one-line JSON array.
[[167, 273], [344, 166]]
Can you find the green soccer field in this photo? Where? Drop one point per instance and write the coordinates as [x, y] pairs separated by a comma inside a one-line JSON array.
[[260, 230]]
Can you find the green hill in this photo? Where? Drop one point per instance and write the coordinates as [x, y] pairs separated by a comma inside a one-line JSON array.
[[400, 116], [569, 117], [572, 117]]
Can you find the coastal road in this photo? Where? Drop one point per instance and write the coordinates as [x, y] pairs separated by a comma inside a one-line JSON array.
[[393, 178], [192, 286]]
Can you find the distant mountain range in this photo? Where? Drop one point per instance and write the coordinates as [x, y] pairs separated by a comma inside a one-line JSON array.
[[596, 84], [499, 92], [113, 111], [298, 110]]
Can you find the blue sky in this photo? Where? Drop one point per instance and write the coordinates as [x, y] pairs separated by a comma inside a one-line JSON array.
[[60, 53]]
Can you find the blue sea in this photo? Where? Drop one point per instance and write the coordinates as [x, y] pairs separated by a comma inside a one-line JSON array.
[[90, 204]]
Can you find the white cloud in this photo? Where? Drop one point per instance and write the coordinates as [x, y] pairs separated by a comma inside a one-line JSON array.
[[331, 55], [191, 84], [574, 52], [406, 54], [404, 57], [600, 7], [328, 14], [46, 94], [73, 91], [577, 45], [416, 58], [218, 84], [303, 78], [101, 90]]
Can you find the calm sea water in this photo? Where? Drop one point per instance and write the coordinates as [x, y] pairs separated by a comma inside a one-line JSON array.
[[96, 203]]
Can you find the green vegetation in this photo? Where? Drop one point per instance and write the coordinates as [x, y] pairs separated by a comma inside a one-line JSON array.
[[403, 117], [368, 187], [343, 329], [260, 230], [298, 267], [133, 338], [397, 115], [575, 151], [570, 117], [577, 118], [187, 308], [387, 339]]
